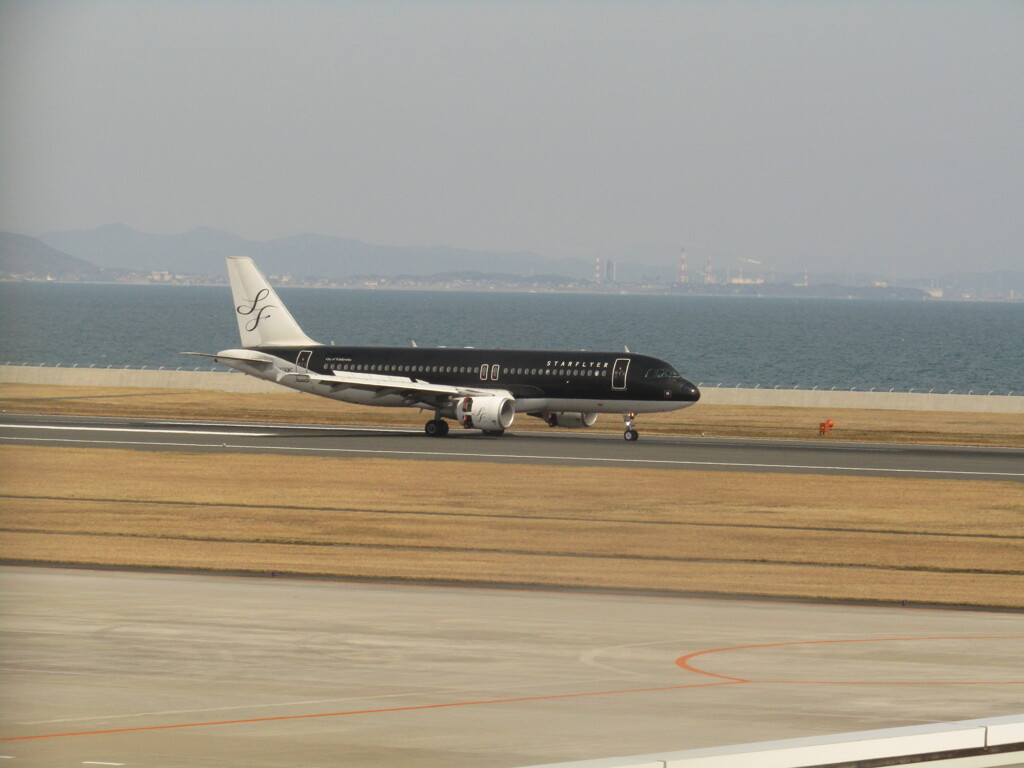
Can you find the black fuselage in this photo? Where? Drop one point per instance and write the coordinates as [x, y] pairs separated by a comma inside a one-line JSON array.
[[535, 378]]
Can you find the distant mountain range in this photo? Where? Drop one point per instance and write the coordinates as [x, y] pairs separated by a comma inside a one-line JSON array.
[[117, 253], [202, 252], [24, 256]]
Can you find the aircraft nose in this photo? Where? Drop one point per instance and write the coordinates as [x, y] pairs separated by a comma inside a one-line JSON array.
[[688, 391]]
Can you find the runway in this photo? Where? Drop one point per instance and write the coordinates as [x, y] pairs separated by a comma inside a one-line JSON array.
[[572, 449], [148, 669]]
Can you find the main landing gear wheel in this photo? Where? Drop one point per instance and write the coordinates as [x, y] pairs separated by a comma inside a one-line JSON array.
[[436, 428], [494, 432], [630, 434]]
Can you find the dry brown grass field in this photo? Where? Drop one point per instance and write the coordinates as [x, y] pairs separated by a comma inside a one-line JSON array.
[[702, 419], [924, 541]]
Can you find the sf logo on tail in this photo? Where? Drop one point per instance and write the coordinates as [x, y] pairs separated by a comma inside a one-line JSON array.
[[253, 306]]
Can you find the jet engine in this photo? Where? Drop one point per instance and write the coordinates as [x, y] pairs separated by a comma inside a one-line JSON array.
[[570, 419], [492, 413]]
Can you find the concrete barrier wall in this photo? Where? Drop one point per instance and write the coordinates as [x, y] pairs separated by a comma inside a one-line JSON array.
[[787, 398], [891, 746], [219, 381], [888, 401]]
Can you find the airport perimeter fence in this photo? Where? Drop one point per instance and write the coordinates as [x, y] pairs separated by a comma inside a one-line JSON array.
[[186, 377]]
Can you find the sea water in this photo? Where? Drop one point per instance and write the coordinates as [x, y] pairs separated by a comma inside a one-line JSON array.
[[922, 346]]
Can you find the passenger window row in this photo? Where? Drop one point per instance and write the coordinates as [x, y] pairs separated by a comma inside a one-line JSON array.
[[422, 369]]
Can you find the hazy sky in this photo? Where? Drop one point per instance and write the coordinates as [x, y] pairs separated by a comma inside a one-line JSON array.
[[831, 135]]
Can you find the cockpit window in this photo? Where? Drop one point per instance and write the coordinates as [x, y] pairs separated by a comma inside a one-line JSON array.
[[661, 373]]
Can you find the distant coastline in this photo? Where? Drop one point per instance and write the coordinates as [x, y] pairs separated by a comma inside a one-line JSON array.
[[116, 254], [513, 285]]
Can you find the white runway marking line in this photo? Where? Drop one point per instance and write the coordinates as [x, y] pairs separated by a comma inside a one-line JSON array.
[[94, 762], [140, 429], [667, 462], [301, 427]]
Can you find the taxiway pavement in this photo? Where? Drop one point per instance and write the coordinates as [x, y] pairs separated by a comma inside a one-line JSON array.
[[574, 449], [152, 669]]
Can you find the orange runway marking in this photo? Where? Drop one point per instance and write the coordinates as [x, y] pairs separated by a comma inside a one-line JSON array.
[[684, 662], [362, 712], [889, 682]]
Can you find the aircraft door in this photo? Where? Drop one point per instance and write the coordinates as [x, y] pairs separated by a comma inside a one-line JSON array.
[[302, 361], [619, 371]]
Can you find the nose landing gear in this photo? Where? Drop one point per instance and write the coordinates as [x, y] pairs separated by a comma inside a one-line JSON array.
[[630, 434]]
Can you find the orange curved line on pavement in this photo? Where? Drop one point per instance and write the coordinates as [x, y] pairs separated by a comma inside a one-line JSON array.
[[360, 712], [889, 682], [684, 661]]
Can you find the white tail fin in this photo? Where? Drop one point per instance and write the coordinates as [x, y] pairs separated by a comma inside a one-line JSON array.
[[262, 318]]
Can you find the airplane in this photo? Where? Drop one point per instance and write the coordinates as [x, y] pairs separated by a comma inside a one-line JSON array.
[[479, 389]]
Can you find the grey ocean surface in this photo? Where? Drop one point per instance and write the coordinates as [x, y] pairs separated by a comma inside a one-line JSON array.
[[805, 343]]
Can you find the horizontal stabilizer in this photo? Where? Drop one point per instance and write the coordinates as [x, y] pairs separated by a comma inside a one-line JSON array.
[[263, 364]]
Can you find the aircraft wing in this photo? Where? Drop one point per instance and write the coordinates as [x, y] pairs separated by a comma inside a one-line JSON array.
[[414, 390], [375, 381]]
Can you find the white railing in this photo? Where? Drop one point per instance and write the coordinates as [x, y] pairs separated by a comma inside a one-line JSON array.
[[995, 741]]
